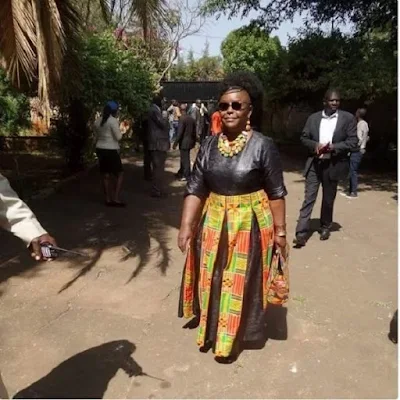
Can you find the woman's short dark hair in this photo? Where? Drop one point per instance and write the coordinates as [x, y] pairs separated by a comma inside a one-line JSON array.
[[243, 80], [107, 111], [249, 82]]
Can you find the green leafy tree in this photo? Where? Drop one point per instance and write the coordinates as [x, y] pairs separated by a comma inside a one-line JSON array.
[[179, 71], [209, 68], [251, 49], [14, 108], [363, 67], [109, 71], [205, 68], [367, 15]]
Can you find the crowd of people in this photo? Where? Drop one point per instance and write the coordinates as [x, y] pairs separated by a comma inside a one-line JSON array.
[[233, 225]]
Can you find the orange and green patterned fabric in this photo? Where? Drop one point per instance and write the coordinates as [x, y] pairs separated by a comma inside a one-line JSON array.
[[237, 213]]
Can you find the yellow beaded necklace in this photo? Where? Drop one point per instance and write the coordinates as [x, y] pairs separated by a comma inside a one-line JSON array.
[[230, 149]]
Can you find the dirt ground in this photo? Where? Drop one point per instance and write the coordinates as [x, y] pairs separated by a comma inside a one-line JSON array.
[[77, 327]]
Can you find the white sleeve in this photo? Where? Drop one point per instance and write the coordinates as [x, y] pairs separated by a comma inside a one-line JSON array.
[[114, 125], [16, 216], [362, 133]]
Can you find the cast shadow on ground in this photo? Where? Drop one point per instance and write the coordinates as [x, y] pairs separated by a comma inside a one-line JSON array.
[[315, 226], [393, 327], [275, 327], [368, 181], [370, 178], [86, 375], [77, 217]]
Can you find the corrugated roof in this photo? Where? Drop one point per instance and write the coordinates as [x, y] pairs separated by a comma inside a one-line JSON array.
[[186, 92]]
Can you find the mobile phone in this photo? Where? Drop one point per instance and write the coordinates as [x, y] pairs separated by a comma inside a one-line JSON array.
[[325, 148], [48, 251]]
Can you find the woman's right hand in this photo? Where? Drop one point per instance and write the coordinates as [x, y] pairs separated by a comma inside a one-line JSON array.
[[184, 237]]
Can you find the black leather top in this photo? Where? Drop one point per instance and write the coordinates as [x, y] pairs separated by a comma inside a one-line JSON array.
[[257, 166]]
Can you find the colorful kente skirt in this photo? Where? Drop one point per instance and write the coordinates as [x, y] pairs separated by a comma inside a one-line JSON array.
[[232, 271]]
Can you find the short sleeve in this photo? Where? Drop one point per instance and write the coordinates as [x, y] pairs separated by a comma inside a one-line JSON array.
[[196, 185], [274, 185]]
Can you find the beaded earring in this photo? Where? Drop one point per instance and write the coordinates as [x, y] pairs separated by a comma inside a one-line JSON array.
[[248, 126]]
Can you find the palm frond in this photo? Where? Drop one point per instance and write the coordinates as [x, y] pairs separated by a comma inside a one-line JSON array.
[[106, 9], [18, 39], [147, 12]]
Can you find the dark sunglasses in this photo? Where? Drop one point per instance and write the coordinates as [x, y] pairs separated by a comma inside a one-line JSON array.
[[236, 106]]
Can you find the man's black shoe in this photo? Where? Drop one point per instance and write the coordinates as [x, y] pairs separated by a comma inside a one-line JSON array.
[[300, 241], [325, 234]]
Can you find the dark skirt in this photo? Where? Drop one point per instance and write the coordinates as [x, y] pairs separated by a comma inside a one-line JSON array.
[[109, 161]]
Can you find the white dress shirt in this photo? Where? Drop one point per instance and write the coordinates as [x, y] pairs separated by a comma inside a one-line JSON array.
[[16, 216], [327, 127]]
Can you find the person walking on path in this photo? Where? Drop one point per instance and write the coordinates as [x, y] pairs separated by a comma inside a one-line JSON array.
[[17, 218], [233, 226], [108, 136], [197, 112], [356, 156], [174, 112], [329, 136], [186, 140], [159, 144]]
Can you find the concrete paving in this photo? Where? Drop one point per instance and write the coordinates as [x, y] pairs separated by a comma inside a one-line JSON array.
[[78, 327]]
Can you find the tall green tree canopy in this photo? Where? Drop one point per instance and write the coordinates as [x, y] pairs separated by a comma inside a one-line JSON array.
[[112, 71], [367, 15], [362, 67], [205, 68], [14, 108], [251, 49]]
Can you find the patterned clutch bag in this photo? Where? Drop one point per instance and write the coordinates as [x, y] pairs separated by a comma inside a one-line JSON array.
[[279, 289]]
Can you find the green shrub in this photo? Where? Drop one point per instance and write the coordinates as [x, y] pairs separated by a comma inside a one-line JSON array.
[[14, 108]]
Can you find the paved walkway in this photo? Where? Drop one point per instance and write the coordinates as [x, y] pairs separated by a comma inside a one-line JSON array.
[[68, 328]]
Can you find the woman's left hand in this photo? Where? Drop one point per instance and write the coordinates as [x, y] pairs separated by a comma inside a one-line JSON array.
[[280, 242]]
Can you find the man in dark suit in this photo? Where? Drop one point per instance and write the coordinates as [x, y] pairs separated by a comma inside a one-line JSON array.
[[186, 140], [158, 145], [329, 136]]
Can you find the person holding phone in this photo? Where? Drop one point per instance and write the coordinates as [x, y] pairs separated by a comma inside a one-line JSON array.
[[329, 135], [233, 223], [17, 218]]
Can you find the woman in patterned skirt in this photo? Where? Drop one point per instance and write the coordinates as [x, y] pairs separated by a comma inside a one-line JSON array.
[[233, 226]]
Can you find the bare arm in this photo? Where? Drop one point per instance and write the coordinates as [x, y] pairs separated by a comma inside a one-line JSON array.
[[278, 209], [192, 207], [196, 194], [275, 188]]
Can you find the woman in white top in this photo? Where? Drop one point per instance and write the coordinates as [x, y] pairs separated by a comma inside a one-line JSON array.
[[108, 135]]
